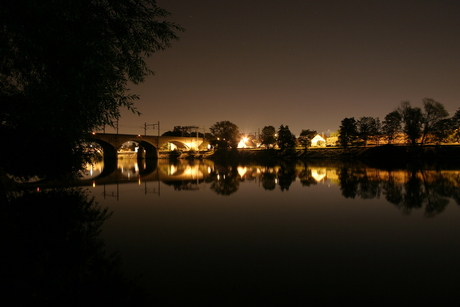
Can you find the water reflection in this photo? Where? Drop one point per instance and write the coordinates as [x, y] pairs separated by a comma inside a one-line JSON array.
[[53, 254], [407, 189]]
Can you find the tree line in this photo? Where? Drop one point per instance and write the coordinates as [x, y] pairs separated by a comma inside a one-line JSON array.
[[406, 123]]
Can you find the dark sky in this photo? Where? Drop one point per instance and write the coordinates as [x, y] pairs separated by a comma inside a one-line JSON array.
[[305, 64]]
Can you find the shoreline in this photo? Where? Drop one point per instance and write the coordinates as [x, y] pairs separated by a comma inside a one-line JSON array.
[[387, 154]]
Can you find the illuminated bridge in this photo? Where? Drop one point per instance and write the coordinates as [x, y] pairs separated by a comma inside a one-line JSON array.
[[111, 143]]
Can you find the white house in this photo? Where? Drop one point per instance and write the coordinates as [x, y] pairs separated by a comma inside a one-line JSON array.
[[318, 141]]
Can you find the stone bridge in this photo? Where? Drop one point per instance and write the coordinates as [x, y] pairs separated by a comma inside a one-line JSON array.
[[111, 143]]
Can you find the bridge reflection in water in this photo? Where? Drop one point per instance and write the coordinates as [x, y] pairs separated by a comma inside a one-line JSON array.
[[144, 170]]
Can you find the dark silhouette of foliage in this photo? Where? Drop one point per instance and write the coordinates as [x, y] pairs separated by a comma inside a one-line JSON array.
[[306, 178], [348, 131], [455, 125], [443, 130], [268, 136], [268, 180], [226, 180], [412, 119], [367, 128], [286, 140], [55, 255], [64, 72], [348, 182], [286, 175], [306, 136], [391, 126], [225, 134], [434, 113]]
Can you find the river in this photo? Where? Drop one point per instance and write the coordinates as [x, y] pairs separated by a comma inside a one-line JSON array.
[[320, 233]]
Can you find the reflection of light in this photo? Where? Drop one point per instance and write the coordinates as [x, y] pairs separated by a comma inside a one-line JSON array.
[[94, 183], [218, 177], [241, 171], [38, 189], [139, 181], [276, 180], [193, 171], [318, 174], [92, 169]]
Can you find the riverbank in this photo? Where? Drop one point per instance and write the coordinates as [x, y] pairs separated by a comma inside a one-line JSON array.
[[385, 153]]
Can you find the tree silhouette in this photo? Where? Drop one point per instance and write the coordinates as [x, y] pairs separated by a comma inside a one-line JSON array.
[[391, 126], [348, 131], [306, 136], [64, 72], [412, 119], [367, 128], [225, 134], [433, 115], [286, 140], [267, 137]]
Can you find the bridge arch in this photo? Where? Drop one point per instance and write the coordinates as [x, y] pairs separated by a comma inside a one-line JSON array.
[[146, 150], [109, 151], [180, 145]]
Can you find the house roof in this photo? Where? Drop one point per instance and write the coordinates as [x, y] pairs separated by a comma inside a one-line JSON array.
[[319, 137]]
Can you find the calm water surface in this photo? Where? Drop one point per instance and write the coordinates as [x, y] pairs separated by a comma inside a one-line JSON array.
[[318, 233]]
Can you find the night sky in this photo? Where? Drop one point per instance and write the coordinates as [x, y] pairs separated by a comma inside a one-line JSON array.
[[305, 64]]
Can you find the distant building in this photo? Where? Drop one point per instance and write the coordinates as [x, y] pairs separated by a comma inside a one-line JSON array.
[[318, 141], [332, 141]]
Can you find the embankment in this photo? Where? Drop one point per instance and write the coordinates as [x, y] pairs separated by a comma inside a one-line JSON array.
[[385, 153]]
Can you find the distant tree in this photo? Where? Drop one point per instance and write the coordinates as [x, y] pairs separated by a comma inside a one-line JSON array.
[[306, 136], [391, 126], [225, 134], [377, 136], [335, 134], [286, 140], [455, 126], [447, 129], [412, 119], [176, 132], [443, 131], [367, 128], [348, 131], [268, 136], [434, 113], [64, 71]]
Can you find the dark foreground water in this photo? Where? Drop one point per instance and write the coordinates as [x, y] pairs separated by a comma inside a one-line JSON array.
[[312, 233], [250, 235]]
